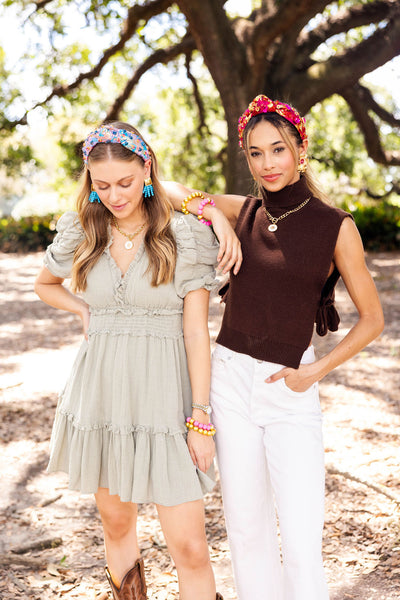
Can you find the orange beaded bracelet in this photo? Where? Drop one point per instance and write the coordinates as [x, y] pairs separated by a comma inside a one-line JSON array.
[[188, 199], [203, 428]]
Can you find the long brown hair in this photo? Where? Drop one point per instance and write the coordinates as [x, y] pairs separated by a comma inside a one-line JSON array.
[[95, 218], [293, 140]]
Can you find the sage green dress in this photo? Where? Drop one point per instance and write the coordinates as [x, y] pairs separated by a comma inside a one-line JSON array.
[[120, 420]]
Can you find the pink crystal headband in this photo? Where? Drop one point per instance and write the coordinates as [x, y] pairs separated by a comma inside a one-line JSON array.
[[262, 104], [110, 135]]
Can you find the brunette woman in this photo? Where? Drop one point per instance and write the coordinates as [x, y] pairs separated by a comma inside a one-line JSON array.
[[264, 388]]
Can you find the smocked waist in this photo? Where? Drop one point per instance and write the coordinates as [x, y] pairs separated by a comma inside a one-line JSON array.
[[135, 321]]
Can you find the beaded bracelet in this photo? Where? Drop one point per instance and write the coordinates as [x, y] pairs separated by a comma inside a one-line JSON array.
[[202, 205], [188, 199], [203, 428]]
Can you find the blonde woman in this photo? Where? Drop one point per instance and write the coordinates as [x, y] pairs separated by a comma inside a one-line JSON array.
[[264, 387], [141, 277]]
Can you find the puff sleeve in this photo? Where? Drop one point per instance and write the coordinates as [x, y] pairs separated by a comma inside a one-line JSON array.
[[59, 255], [197, 249]]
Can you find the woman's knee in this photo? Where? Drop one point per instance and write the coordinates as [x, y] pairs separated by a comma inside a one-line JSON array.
[[191, 554], [118, 518]]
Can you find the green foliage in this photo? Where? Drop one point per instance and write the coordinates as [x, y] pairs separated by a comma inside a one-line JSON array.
[[66, 38], [188, 151], [378, 224], [72, 162], [340, 158], [336, 141], [28, 234], [16, 155]]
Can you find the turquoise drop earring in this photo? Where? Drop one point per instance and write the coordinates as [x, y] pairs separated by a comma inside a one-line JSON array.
[[94, 197], [148, 189]]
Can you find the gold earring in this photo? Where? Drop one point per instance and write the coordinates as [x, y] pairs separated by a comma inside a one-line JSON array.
[[303, 163]]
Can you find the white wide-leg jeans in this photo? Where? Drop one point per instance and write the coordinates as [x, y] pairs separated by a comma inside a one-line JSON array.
[[271, 461]]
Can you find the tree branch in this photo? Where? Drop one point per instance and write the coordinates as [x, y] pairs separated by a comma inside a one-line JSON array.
[[323, 79], [377, 488], [287, 53], [343, 21], [197, 95], [41, 4], [267, 29], [358, 102], [215, 37], [162, 56], [366, 96], [135, 14], [395, 189]]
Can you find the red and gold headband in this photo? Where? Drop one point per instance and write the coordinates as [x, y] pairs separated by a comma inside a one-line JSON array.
[[262, 104]]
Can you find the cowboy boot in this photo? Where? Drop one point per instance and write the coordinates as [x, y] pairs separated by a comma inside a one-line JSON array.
[[133, 586]]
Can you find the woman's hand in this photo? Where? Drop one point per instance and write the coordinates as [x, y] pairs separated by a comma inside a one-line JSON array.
[[298, 380], [202, 450], [230, 252], [223, 217]]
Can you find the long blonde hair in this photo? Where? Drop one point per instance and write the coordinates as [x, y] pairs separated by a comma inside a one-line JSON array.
[[95, 218], [293, 140]]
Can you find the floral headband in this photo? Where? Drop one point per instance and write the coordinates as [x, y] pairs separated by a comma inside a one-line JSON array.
[[110, 135], [262, 104]]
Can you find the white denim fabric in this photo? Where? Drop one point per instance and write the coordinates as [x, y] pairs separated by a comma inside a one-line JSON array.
[[271, 460]]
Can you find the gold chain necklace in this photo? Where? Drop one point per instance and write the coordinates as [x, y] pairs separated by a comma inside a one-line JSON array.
[[129, 243], [274, 220]]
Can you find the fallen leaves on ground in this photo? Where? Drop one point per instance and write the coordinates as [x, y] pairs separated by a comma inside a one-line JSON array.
[[361, 404]]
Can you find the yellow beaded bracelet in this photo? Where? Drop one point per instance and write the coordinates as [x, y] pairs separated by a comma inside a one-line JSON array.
[[188, 199], [203, 428]]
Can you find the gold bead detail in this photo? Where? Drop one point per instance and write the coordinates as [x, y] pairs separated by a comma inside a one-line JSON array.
[[188, 199]]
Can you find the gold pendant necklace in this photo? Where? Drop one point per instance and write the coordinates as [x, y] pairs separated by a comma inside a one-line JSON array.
[[274, 220], [129, 243]]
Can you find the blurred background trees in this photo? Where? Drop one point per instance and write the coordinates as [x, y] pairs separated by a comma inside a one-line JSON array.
[[183, 72]]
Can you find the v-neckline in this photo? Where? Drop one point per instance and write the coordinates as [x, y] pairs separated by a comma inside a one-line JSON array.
[[139, 252]]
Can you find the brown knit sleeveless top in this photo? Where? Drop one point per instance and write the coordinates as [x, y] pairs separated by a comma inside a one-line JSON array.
[[282, 287]]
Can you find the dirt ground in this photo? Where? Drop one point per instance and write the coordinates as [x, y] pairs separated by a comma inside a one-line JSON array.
[[51, 540]]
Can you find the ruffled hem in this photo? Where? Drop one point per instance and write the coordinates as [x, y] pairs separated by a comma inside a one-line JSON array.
[[118, 429], [139, 466]]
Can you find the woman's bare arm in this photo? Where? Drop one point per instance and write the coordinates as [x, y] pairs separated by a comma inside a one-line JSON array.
[[197, 345], [50, 289]]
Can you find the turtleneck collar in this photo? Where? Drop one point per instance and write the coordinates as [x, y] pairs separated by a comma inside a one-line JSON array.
[[289, 196]]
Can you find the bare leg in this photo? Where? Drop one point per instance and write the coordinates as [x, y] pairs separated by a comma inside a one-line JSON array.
[[120, 538], [184, 530]]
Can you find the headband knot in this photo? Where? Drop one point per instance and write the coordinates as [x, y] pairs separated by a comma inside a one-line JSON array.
[[262, 104], [110, 135]]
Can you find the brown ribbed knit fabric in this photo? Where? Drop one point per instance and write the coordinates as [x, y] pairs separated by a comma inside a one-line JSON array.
[[282, 286]]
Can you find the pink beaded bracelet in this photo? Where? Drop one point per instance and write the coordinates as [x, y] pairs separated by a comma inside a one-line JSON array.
[[202, 205], [203, 428]]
